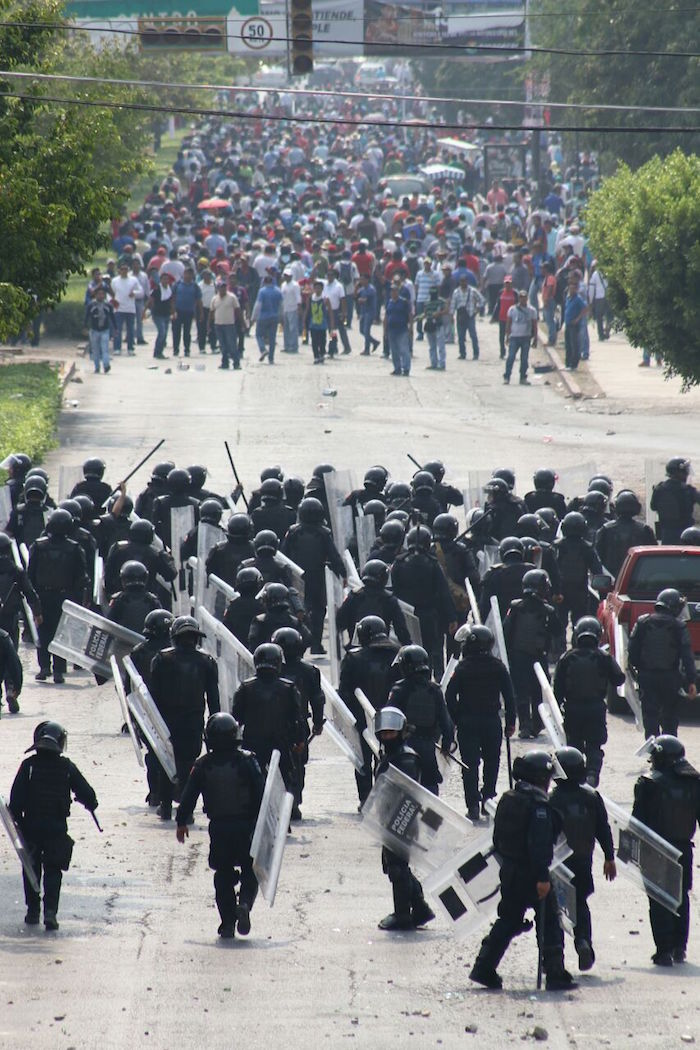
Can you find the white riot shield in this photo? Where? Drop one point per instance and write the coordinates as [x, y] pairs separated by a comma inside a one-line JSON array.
[[234, 661], [224, 593], [98, 591], [449, 671], [476, 615], [369, 712], [645, 858], [474, 492], [150, 721], [339, 484], [271, 829], [5, 506], [486, 558], [24, 554], [412, 623], [549, 710], [341, 726], [68, 478], [354, 581], [298, 582], [628, 689], [207, 537], [87, 639], [28, 614], [366, 533], [17, 841], [181, 522], [496, 626], [573, 481], [566, 898], [334, 599], [412, 822], [121, 696], [654, 472]]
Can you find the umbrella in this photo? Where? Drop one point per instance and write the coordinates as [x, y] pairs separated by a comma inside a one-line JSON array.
[[213, 202]]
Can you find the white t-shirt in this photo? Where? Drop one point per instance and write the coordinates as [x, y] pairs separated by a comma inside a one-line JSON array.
[[334, 293], [223, 309], [208, 292], [291, 296], [122, 287]]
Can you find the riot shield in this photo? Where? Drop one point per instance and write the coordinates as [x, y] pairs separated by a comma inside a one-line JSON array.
[[68, 478], [121, 696], [17, 841], [476, 615], [412, 623], [98, 592], [207, 537], [645, 858], [85, 638], [654, 472], [628, 689], [150, 720], [339, 484], [565, 891], [449, 671], [28, 614], [271, 829], [334, 598], [366, 533], [573, 481], [496, 625], [487, 558], [474, 492], [181, 522], [5, 506], [342, 726], [234, 661], [222, 593], [298, 582], [369, 712], [412, 822], [549, 710], [354, 581]]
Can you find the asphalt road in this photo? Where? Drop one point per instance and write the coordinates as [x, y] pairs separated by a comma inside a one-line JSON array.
[[137, 962]]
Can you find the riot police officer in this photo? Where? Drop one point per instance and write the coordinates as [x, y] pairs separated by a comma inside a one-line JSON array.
[[18, 466], [210, 511], [504, 508], [307, 679], [155, 487], [273, 569], [674, 500], [138, 547], [83, 537], [231, 785], [661, 652], [277, 613], [457, 561], [581, 682], [505, 579], [473, 700], [198, 475], [576, 558], [373, 600], [446, 495], [114, 525], [417, 579], [525, 830], [424, 507], [533, 527], [131, 605], [411, 910], [92, 484], [183, 678], [178, 496], [595, 512], [616, 537], [585, 821], [369, 666], [246, 606], [40, 802], [269, 472], [667, 800], [10, 672], [529, 629], [543, 494], [156, 632], [389, 543], [14, 582], [225, 559], [28, 519], [57, 571], [423, 704], [373, 486], [273, 513]]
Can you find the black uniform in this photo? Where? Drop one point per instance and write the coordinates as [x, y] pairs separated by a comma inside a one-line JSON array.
[[615, 538], [142, 657], [144, 501], [575, 558], [182, 679], [57, 571], [224, 560], [529, 629], [539, 498], [231, 785], [240, 614], [525, 830], [98, 491], [668, 802], [312, 548], [10, 671], [307, 679], [427, 719], [418, 580], [424, 508], [156, 563], [504, 516], [110, 529], [269, 709], [372, 601], [264, 626], [369, 668], [673, 500], [385, 552], [130, 607], [447, 496], [473, 699], [161, 514], [40, 802], [505, 582], [188, 547], [585, 821], [27, 521], [581, 682], [273, 515], [661, 652], [458, 562], [14, 583], [273, 570]]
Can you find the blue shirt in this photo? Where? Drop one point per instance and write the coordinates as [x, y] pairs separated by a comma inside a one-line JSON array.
[[573, 308], [186, 296], [366, 299], [397, 313], [269, 302]]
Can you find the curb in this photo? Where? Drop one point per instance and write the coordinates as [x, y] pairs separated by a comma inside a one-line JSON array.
[[67, 376], [574, 390]]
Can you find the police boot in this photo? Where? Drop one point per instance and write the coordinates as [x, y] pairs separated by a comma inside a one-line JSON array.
[[586, 955], [679, 954], [421, 912], [226, 931], [484, 974], [243, 918], [12, 705], [664, 958], [558, 979], [400, 918], [50, 920], [32, 916], [165, 811], [474, 813]]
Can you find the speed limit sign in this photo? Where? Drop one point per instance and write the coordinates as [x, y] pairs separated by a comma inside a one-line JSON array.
[[256, 33]]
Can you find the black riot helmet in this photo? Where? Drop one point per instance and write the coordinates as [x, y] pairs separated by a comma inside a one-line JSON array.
[[627, 504], [35, 489], [392, 533], [601, 483], [375, 479], [50, 736], [268, 657], [141, 531], [550, 518], [478, 639], [423, 481], [497, 489], [544, 479], [375, 573], [511, 549], [94, 468], [595, 500], [321, 469], [691, 536], [311, 512], [37, 472], [666, 751], [73, 508], [587, 632], [127, 505], [529, 525], [161, 470], [271, 472], [371, 629], [290, 642], [185, 629], [534, 767], [157, 624], [210, 511], [678, 467], [537, 582], [178, 481], [374, 508], [198, 475], [384, 473], [275, 596], [507, 475], [133, 574], [401, 516], [445, 527], [266, 542], [670, 600], [271, 491], [249, 581], [87, 508], [573, 525], [573, 764], [5, 545], [419, 538], [389, 719], [399, 493], [239, 527], [532, 550], [293, 491], [435, 467], [412, 659], [221, 732], [20, 464], [60, 523]]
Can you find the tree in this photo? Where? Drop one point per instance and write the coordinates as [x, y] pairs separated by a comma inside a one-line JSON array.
[[644, 230]]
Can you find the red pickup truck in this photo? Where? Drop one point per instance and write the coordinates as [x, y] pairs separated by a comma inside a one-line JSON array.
[[644, 572]]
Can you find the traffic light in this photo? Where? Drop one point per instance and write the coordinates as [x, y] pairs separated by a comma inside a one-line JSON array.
[[301, 59]]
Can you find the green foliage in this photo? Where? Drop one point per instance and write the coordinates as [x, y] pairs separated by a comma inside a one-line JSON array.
[[14, 307], [30, 400], [468, 78], [67, 319], [644, 230]]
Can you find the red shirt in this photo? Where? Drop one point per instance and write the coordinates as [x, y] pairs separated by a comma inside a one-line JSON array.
[[472, 263], [364, 261], [392, 268], [505, 301]]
